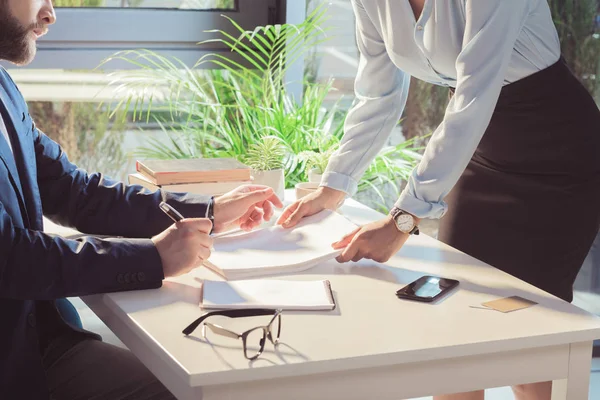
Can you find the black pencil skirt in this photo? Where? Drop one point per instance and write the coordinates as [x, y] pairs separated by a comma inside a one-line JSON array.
[[528, 203]]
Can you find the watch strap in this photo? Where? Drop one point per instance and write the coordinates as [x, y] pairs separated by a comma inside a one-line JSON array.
[[210, 213]]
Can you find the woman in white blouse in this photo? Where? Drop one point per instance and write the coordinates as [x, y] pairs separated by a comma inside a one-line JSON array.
[[513, 171]]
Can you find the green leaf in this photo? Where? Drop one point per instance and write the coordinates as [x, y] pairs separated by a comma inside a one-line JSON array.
[[240, 106]]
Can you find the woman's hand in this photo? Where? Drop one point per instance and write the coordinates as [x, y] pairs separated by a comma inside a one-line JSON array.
[[377, 241], [321, 199], [244, 207]]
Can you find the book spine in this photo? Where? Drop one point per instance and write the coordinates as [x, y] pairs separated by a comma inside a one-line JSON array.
[[211, 188], [179, 178], [135, 180], [142, 169]]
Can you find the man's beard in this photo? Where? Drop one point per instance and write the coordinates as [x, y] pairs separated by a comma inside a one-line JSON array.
[[16, 43]]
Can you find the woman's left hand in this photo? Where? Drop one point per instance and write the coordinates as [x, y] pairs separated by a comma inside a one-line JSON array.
[[377, 241]]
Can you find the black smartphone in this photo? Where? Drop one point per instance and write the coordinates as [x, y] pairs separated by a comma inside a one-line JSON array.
[[427, 288]]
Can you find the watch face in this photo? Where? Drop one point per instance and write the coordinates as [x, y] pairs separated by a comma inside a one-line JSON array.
[[405, 222]]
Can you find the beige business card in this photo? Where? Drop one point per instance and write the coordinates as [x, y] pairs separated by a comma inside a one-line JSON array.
[[508, 304]]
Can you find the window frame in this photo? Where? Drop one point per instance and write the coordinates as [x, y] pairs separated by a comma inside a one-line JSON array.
[[83, 37]]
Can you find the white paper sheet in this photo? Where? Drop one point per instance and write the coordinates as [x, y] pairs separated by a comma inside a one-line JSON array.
[[276, 249]]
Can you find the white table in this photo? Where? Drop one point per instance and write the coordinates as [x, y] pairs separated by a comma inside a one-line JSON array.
[[374, 346]]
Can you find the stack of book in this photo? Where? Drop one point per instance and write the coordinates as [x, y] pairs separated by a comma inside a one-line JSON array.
[[206, 176]]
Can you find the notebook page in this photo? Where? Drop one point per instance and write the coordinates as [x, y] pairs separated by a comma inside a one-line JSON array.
[[267, 293]]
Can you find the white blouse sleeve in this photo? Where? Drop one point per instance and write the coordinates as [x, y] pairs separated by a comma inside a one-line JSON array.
[[491, 30], [381, 90]]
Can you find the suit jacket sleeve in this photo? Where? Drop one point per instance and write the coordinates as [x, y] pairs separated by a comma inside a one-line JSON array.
[[96, 204], [37, 266]]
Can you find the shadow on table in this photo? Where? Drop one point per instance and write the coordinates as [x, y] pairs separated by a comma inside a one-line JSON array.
[[542, 300], [173, 292], [169, 293], [373, 270], [436, 254], [270, 350]]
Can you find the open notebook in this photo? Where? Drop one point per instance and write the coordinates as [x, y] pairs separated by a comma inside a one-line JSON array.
[[268, 293], [277, 250]]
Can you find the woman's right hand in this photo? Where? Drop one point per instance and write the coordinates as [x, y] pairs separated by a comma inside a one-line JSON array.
[[321, 199]]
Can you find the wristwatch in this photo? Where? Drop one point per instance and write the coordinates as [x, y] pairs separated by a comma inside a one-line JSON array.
[[210, 213], [405, 222]]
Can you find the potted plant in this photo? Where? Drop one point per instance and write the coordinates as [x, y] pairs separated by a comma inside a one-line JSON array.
[[227, 102], [232, 107], [316, 162], [266, 158]]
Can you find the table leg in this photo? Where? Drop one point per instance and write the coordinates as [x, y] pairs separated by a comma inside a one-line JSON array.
[[577, 385]]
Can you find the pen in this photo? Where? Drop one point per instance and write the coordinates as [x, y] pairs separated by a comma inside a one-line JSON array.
[[170, 211]]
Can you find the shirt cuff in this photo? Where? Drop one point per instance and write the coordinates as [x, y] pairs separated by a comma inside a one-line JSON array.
[[420, 208], [341, 182]]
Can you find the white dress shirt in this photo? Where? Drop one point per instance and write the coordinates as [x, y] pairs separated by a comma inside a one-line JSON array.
[[5, 132], [475, 46]]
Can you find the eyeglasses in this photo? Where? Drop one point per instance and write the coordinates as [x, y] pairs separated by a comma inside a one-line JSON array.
[[253, 339]]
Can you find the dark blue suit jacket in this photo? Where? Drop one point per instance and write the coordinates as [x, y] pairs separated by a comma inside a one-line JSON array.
[[37, 269]]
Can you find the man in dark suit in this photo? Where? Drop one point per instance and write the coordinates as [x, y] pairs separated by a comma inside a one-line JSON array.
[[42, 355]]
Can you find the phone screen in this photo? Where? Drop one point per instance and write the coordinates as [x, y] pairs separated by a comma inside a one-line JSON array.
[[427, 288]]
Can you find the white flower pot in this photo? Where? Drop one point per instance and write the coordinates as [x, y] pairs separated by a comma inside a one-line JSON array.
[[314, 176], [273, 178], [305, 188]]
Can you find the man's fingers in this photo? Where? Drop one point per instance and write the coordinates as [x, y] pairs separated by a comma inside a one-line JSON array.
[[203, 253], [253, 188], [258, 196], [249, 225], [345, 240], [287, 212], [256, 216], [203, 225], [253, 213], [268, 210], [247, 215], [275, 201], [206, 241], [253, 219]]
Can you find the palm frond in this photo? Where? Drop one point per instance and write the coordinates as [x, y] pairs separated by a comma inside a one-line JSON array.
[[236, 104]]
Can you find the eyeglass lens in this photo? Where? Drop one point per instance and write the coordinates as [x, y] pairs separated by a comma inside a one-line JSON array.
[[254, 342]]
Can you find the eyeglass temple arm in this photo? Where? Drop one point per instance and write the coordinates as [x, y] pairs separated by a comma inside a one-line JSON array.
[[250, 312], [219, 330]]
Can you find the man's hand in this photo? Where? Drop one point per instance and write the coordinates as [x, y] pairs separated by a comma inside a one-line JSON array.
[[377, 241], [245, 207], [321, 199], [184, 245]]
